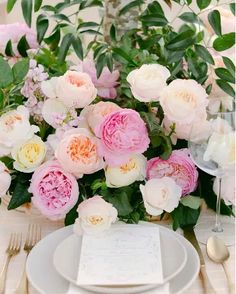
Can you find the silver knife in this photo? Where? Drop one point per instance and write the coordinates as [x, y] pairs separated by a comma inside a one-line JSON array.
[[191, 237]]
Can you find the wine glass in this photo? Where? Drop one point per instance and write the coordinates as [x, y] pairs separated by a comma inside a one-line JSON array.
[[212, 148]]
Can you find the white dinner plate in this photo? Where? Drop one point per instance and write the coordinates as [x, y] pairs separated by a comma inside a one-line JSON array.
[[45, 279], [173, 253]]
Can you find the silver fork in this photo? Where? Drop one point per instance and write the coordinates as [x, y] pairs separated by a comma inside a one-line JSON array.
[[33, 236], [12, 250]]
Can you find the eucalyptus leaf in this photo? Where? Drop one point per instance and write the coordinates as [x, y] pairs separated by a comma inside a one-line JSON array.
[[202, 4], [20, 69], [226, 87], [224, 42], [23, 46], [191, 201], [215, 21], [101, 62], [42, 24], [77, 45], [27, 7], [37, 5], [204, 54], [229, 65], [6, 76], [181, 41], [154, 20], [130, 5], [9, 50], [189, 17], [224, 74], [64, 47]]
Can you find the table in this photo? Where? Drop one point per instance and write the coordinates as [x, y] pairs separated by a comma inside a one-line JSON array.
[[14, 221]]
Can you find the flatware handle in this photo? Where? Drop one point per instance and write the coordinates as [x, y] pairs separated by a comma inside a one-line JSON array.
[[231, 284], [4, 275], [23, 287], [208, 289]]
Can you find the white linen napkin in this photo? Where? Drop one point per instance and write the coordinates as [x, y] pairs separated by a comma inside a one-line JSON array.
[[163, 289]]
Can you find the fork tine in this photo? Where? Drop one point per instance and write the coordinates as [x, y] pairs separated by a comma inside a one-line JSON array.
[[10, 241], [13, 241]]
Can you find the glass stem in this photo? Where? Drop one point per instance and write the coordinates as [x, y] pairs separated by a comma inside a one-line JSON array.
[[218, 225]]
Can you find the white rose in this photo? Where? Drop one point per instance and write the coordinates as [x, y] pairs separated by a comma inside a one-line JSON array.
[[5, 179], [29, 154], [15, 127], [148, 81], [95, 216], [128, 173], [221, 149], [160, 195], [49, 87], [183, 100], [227, 188]]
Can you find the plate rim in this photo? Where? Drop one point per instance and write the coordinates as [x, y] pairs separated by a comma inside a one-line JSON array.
[[139, 287], [69, 230]]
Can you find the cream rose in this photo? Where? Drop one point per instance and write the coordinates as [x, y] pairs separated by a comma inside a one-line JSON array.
[[95, 114], [148, 81], [15, 127], [29, 154], [221, 149], [183, 100], [128, 173], [77, 152], [160, 195], [5, 179], [95, 216]]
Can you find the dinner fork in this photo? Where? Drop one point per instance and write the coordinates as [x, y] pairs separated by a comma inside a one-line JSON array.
[[33, 236], [12, 250]]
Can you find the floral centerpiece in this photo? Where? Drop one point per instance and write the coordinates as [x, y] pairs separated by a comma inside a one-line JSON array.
[[94, 129]]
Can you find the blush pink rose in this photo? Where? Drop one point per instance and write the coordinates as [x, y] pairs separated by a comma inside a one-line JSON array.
[[178, 166], [95, 114], [107, 82], [54, 191], [14, 32], [122, 134]]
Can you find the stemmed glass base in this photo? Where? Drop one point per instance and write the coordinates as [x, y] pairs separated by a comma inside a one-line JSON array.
[[226, 231]]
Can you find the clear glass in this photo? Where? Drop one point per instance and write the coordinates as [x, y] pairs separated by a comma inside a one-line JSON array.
[[212, 148]]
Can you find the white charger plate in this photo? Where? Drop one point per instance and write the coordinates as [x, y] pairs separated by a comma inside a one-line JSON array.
[[45, 279], [67, 256]]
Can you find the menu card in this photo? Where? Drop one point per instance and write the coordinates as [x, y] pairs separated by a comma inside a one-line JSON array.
[[124, 255]]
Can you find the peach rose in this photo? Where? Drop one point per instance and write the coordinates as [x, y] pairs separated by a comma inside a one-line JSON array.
[[183, 100], [95, 114], [77, 152]]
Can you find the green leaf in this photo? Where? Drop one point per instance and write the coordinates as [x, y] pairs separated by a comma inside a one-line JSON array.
[[208, 89], [130, 5], [124, 55], [1, 100], [202, 4], [191, 201], [189, 17], [204, 54], [229, 65], [121, 203], [182, 41], [215, 21], [88, 24], [91, 32], [54, 39], [37, 5], [9, 51], [113, 33], [224, 42], [48, 8], [61, 16], [20, 194], [6, 76], [71, 216], [232, 8], [27, 6], [20, 69], [99, 50], [154, 20], [101, 62], [155, 8], [65, 45], [23, 46], [10, 5], [226, 87], [90, 3], [183, 216], [42, 26], [224, 74], [109, 62], [77, 45]]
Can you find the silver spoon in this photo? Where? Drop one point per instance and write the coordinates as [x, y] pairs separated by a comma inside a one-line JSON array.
[[219, 253]]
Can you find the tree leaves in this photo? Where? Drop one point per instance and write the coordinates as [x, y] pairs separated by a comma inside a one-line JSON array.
[[224, 42], [6, 76], [37, 5], [158, 20], [215, 21], [226, 87], [130, 5], [42, 26], [204, 54], [27, 6], [65, 45], [224, 74], [202, 4], [77, 45], [181, 41], [189, 17], [23, 46], [229, 65], [20, 69], [10, 5]]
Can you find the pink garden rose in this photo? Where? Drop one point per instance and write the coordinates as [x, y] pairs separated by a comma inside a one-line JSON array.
[[178, 166], [95, 113], [54, 191], [122, 134], [95, 216], [77, 152], [107, 82], [14, 32]]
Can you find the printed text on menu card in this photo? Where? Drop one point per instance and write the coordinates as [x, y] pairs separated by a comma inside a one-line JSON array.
[[124, 255]]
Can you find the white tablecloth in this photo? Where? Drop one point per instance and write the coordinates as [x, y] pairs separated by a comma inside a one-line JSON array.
[[13, 221]]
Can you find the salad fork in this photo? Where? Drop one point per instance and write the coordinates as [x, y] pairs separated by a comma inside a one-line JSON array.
[[33, 236], [12, 250]]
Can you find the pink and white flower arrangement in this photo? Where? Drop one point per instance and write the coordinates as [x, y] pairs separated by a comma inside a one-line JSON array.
[[178, 166], [54, 190], [95, 216]]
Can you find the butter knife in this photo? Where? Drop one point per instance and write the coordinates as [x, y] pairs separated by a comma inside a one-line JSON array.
[[191, 237]]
